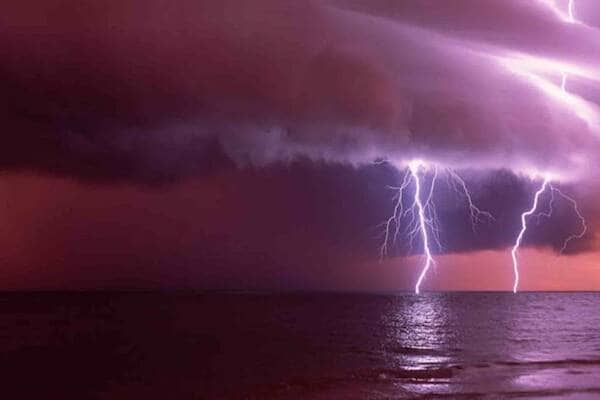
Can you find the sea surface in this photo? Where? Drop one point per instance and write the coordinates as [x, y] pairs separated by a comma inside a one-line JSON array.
[[154, 345]]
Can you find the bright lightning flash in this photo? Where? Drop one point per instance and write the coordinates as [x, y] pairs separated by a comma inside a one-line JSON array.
[[424, 222], [522, 232], [540, 72], [571, 18], [568, 16], [420, 215], [581, 109], [579, 215], [556, 191], [547, 184]]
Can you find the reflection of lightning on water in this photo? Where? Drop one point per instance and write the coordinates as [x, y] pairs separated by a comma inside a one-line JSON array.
[[419, 218]]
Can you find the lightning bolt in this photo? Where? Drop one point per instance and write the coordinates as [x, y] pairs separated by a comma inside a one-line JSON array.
[[422, 212], [398, 213], [424, 222], [421, 215], [571, 19], [554, 190], [528, 68], [522, 232], [563, 86], [571, 10], [477, 215], [584, 227], [535, 71], [569, 16], [547, 184]]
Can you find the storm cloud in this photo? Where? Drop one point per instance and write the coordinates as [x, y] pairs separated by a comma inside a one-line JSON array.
[[154, 90], [225, 143]]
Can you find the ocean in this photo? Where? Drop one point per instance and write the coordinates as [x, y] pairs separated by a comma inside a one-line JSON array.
[[185, 345]]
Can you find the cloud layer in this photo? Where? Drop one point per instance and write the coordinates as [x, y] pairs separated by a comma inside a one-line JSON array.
[[266, 118], [151, 90]]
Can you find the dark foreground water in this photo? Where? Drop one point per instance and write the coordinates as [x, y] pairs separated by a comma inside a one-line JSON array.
[[299, 346]]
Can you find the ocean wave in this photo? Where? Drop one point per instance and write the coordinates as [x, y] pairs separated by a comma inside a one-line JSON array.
[[418, 351], [550, 363], [425, 374]]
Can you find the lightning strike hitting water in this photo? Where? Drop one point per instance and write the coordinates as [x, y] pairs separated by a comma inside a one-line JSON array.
[[580, 109], [547, 184], [423, 223], [522, 232], [421, 216]]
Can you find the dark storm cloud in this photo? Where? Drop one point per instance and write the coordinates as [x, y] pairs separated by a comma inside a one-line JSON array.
[[303, 95], [141, 88], [297, 225], [152, 89], [505, 196]]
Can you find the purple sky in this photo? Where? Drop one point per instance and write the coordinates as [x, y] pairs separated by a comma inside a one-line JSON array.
[[231, 144]]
